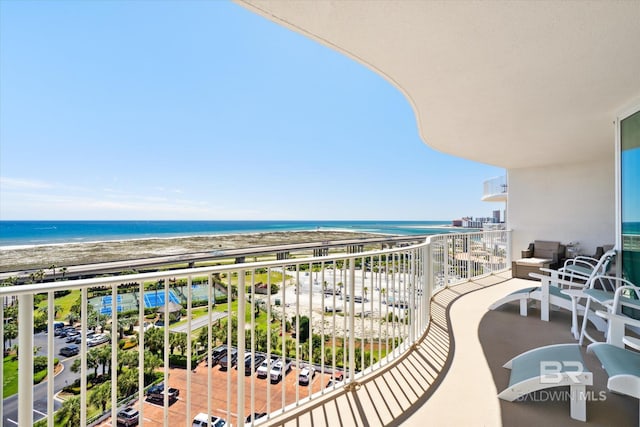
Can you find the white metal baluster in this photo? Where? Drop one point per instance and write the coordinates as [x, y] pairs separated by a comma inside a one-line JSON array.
[[252, 397], [25, 361], [229, 341], [298, 319], [371, 288], [84, 318], [284, 335], [211, 299], [189, 347], [310, 337], [141, 333], [166, 354], [322, 335], [2, 307], [114, 349], [362, 305], [352, 306], [50, 357], [241, 346], [284, 281]]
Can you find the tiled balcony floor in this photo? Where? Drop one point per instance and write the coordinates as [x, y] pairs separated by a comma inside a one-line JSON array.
[[453, 376]]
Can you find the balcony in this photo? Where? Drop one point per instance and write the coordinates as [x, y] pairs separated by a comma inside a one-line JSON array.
[[354, 317], [495, 190]]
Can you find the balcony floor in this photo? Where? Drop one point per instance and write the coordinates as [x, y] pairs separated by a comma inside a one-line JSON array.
[[453, 376]]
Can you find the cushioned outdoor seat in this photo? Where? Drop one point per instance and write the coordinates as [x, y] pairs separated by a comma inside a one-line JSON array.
[[547, 367], [540, 254]]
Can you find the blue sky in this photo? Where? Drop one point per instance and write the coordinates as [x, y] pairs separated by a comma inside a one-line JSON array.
[[203, 110]]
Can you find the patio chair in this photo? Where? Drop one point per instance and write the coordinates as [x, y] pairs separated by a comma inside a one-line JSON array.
[[601, 291], [622, 365], [539, 254], [572, 276]]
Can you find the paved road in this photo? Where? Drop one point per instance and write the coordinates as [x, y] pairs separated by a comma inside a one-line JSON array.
[[10, 410], [199, 322]]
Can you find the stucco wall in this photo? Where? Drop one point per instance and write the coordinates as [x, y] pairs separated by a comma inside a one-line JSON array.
[[572, 202]]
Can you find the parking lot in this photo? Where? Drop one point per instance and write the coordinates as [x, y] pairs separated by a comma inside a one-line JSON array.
[[154, 412]]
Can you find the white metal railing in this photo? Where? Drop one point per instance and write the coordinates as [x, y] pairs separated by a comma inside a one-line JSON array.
[[495, 187], [344, 314]]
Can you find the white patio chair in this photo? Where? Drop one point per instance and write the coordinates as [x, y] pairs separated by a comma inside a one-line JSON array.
[[622, 365], [565, 289], [601, 292]]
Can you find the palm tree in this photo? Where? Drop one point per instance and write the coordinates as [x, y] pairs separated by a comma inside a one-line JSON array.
[[93, 360], [101, 395], [151, 362], [154, 340], [181, 341], [104, 357], [69, 413], [71, 317], [52, 267], [10, 333], [128, 359], [128, 382], [40, 275], [63, 270]]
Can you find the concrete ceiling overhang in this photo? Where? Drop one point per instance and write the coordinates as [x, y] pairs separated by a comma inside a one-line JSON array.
[[512, 84]]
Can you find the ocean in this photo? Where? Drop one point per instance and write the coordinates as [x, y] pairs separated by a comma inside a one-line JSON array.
[[28, 233]]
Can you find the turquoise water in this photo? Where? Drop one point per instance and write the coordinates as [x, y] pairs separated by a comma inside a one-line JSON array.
[[18, 233]]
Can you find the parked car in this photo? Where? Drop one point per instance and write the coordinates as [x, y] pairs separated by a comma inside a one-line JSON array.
[[263, 369], [217, 354], [335, 378], [257, 360], [97, 340], [72, 335], [64, 331], [70, 350], [157, 393], [202, 420], [254, 416], [229, 358], [306, 375], [278, 368], [128, 417]]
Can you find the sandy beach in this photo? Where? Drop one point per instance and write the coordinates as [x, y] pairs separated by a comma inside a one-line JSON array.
[[42, 257]]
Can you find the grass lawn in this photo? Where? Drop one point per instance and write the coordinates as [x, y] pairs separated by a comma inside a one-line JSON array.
[[10, 376], [64, 303]]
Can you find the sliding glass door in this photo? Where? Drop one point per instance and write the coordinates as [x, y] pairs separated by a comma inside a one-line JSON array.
[[629, 134]]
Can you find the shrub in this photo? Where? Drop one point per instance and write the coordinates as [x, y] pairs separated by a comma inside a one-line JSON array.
[[39, 376]]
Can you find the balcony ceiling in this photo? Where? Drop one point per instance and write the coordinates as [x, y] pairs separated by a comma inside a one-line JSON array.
[[512, 84]]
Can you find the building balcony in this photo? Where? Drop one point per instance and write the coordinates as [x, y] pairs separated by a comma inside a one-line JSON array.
[[395, 336], [350, 317], [495, 190]]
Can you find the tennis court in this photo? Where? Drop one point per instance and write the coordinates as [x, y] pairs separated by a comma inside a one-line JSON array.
[[199, 292], [156, 299], [124, 302]]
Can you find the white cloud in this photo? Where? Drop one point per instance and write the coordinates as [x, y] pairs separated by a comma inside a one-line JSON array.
[[19, 184]]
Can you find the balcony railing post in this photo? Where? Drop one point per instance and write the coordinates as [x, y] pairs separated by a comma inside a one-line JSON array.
[[352, 323], [25, 361], [241, 346], [3, 304], [427, 283]]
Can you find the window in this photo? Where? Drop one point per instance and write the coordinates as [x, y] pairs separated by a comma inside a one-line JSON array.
[[630, 196]]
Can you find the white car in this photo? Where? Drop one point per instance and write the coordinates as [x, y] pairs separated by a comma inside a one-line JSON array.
[[202, 420], [277, 370], [306, 375], [263, 369]]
